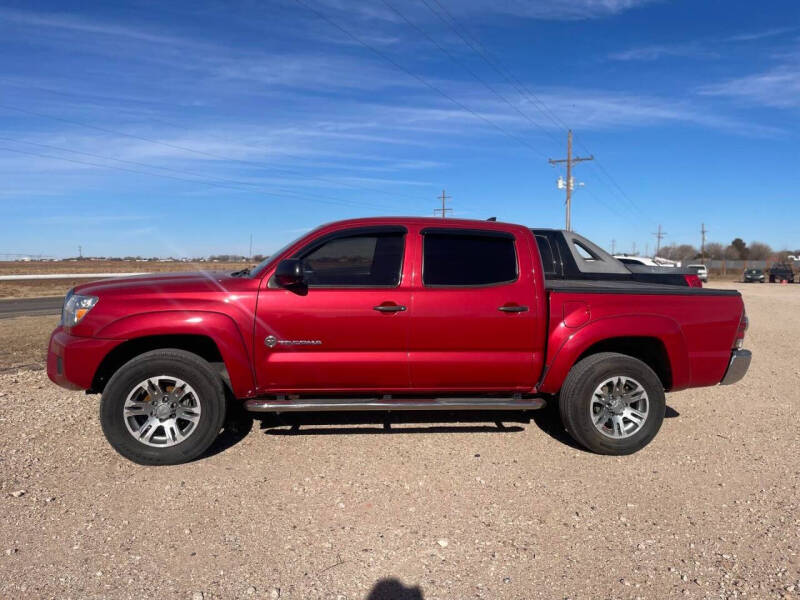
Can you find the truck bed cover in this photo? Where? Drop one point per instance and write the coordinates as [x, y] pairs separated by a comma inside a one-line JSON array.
[[586, 286]]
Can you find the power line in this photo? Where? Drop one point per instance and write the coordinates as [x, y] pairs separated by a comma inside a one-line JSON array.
[[703, 232], [472, 73], [444, 210], [477, 47], [570, 183], [613, 181], [660, 235], [419, 78]]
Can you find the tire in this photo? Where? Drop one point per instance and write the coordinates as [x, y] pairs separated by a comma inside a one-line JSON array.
[[621, 433], [196, 400]]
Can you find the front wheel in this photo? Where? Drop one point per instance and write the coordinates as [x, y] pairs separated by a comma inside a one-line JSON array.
[[164, 407], [612, 403]]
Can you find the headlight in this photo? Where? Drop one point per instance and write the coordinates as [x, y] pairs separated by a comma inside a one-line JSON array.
[[75, 308]]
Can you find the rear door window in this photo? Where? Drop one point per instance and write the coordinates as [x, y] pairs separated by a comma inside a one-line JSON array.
[[466, 258]]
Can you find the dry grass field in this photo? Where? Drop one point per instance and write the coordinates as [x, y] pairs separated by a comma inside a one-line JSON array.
[[342, 509], [59, 287]]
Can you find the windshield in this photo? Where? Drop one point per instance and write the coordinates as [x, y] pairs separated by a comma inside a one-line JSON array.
[[267, 262]]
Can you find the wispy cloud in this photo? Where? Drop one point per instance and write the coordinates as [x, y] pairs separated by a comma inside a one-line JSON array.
[[708, 48], [778, 87], [530, 9], [67, 22], [87, 220], [656, 52], [760, 35]]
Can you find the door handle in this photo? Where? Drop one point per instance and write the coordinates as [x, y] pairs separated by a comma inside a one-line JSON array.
[[513, 308], [389, 308]]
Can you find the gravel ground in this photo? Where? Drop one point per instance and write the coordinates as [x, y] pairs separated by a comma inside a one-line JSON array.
[[710, 509]]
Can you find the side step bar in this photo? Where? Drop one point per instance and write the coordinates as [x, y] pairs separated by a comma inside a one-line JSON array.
[[337, 404]]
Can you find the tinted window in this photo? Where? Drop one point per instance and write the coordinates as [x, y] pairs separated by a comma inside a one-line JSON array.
[[362, 261], [468, 259], [546, 252]]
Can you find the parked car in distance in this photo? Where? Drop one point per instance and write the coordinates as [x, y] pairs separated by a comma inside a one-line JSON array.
[[394, 314], [779, 272], [636, 260], [753, 276], [701, 270]]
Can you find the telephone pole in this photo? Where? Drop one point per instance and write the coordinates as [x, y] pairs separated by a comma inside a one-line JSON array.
[[250, 256], [613, 247], [80, 251], [660, 235], [444, 210], [570, 183], [703, 232]]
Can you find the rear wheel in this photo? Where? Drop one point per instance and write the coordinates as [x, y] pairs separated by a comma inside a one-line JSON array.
[[612, 403], [163, 407]]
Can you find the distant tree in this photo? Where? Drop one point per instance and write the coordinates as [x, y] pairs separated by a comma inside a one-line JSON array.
[[731, 253], [759, 251], [742, 250], [667, 251], [258, 257], [715, 251], [682, 252], [685, 253]]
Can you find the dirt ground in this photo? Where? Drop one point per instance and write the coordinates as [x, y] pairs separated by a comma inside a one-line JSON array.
[[711, 509]]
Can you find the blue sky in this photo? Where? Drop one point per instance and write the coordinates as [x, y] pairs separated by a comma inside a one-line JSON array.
[[181, 128]]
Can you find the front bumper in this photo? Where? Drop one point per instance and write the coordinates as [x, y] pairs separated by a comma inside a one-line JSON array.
[[72, 361], [737, 367]]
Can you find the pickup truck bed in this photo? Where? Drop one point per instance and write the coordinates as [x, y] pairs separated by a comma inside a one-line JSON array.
[[395, 314], [589, 286]]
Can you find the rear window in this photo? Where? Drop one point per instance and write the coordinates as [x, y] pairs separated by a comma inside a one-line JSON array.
[[549, 263], [468, 259]]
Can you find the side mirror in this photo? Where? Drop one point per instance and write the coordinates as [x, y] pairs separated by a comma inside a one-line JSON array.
[[289, 273]]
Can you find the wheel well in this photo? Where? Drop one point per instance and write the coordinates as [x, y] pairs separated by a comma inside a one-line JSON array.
[[201, 345], [649, 350]]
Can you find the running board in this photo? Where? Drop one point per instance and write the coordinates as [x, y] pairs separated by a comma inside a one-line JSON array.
[[336, 404]]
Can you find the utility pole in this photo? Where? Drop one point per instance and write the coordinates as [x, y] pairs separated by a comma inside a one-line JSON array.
[[613, 246], [250, 256], [444, 210], [634, 249], [659, 236], [703, 232], [80, 251], [570, 183]]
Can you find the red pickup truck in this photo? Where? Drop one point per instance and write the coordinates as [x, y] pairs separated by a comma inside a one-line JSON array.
[[394, 314]]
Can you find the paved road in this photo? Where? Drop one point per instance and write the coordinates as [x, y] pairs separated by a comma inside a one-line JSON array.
[[20, 307]]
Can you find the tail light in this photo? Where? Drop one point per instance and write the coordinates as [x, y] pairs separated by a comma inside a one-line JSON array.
[[744, 323], [693, 281]]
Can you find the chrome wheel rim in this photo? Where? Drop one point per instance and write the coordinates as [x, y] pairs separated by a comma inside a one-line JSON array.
[[162, 411], [619, 407]]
